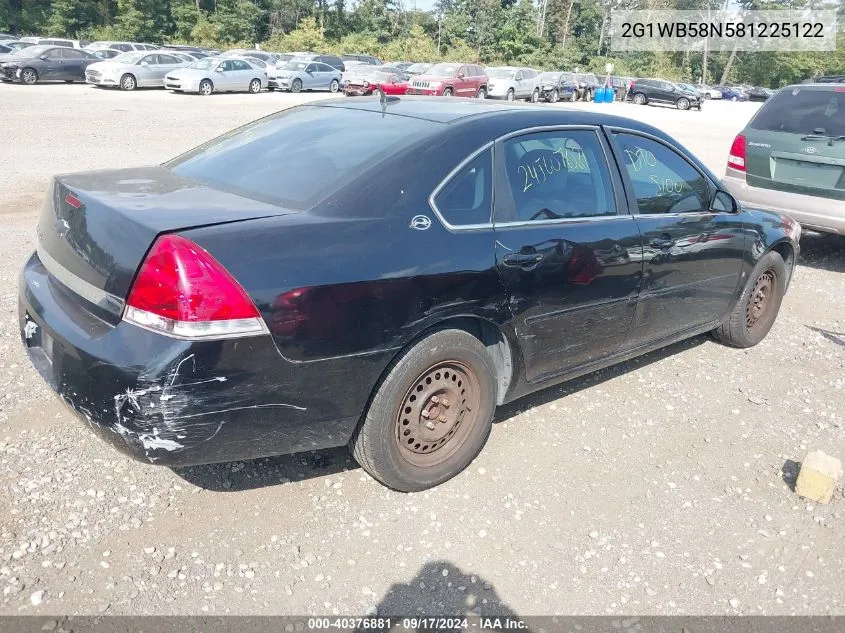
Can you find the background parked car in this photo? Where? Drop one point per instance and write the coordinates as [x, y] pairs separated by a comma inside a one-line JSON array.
[[10, 47], [587, 84], [619, 85], [299, 74], [52, 41], [214, 74], [513, 82], [451, 79], [825, 79], [331, 60], [790, 157], [123, 47], [555, 86], [756, 93], [647, 91], [708, 92], [389, 81], [106, 53], [732, 93], [133, 70], [419, 68], [46, 63], [370, 60]]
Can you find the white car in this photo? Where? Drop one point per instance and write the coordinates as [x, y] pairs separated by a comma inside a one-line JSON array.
[[133, 70], [213, 74], [708, 92], [511, 82]]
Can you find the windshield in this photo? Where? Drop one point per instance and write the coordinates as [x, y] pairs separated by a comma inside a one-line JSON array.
[[296, 66], [378, 76], [291, 158], [443, 70], [129, 58], [501, 73], [418, 68], [550, 76], [205, 64]]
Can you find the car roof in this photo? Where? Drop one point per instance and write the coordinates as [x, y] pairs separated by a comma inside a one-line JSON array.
[[518, 116]]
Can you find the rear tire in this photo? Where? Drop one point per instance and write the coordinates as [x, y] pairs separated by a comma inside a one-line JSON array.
[[447, 92], [431, 414], [127, 82], [706, 96], [255, 86], [510, 95], [553, 98], [296, 85], [754, 313], [206, 87], [574, 96], [535, 96], [481, 94], [334, 86]]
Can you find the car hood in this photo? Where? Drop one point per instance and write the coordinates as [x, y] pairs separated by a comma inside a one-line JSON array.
[[11, 58], [109, 66], [501, 83], [425, 77], [288, 74]]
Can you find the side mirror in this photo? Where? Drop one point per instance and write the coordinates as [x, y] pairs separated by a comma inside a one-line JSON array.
[[219, 69], [44, 58], [723, 202], [145, 63], [460, 75]]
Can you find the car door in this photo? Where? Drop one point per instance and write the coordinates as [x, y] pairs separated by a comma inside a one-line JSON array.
[[145, 70], [227, 77], [51, 65], [568, 251], [692, 254], [164, 64], [463, 82], [325, 74]]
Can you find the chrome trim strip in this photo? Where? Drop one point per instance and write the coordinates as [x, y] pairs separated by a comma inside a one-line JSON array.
[[504, 137], [87, 291], [591, 218]]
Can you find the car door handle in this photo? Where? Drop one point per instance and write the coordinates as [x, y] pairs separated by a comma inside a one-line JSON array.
[[664, 241], [522, 260]]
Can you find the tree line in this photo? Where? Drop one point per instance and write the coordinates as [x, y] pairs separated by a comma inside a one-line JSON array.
[[545, 34]]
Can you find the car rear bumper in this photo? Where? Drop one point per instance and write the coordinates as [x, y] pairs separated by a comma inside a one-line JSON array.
[[173, 402], [821, 214]]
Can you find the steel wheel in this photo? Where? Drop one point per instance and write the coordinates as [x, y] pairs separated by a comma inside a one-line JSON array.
[[206, 87], [759, 303], [438, 413], [29, 76], [127, 82], [296, 85]]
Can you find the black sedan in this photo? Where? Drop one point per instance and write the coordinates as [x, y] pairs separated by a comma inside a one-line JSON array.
[[46, 63], [272, 292]]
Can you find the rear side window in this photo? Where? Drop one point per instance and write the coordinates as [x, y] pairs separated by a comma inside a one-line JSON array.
[[801, 111], [557, 174], [292, 158], [468, 196], [663, 180]]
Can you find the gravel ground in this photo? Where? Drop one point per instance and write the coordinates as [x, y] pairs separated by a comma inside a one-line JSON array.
[[660, 486]]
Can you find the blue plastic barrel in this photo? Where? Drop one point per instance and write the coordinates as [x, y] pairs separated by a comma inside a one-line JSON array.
[[598, 97]]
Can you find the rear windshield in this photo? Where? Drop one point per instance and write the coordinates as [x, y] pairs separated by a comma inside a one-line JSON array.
[[293, 158], [803, 111]]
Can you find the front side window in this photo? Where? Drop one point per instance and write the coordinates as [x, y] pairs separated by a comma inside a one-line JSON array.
[[556, 174], [468, 196], [663, 181]]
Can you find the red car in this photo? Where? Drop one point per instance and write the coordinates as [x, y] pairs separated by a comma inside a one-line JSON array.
[[390, 81], [451, 80]]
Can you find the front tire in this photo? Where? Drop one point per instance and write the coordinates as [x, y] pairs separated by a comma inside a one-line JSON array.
[[535, 96], [206, 87], [127, 82], [296, 85], [510, 95], [29, 76], [706, 96], [553, 98], [447, 92], [639, 98], [574, 96], [682, 103], [754, 314], [334, 86], [431, 414]]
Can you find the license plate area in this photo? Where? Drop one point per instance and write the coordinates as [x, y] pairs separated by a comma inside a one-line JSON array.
[[805, 173]]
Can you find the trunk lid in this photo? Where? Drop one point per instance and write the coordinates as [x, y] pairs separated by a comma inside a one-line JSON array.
[[796, 142], [96, 227]]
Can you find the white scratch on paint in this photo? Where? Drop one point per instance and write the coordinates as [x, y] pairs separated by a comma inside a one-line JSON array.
[[175, 373], [153, 442], [29, 329], [255, 406]]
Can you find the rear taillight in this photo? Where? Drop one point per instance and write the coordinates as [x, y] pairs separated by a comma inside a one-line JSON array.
[[736, 158], [182, 291]]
